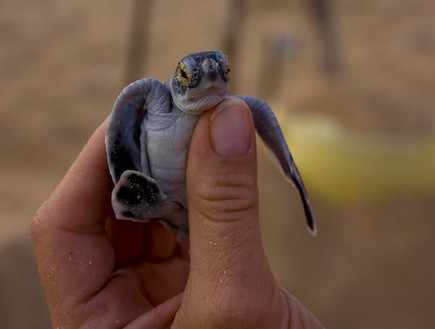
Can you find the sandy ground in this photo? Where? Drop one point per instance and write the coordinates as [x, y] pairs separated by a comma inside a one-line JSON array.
[[62, 64]]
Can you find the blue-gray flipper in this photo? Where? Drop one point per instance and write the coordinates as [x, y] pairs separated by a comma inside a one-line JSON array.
[[124, 131], [137, 196], [270, 132]]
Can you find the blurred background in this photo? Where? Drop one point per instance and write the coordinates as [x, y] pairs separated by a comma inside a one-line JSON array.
[[352, 82]]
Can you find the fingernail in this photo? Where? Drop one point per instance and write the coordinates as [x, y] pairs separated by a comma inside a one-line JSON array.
[[230, 128]]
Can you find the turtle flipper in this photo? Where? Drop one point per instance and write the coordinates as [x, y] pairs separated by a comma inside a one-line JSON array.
[[270, 132], [125, 131], [137, 197]]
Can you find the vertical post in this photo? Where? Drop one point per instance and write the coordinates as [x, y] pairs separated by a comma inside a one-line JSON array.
[[232, 31], [138, 39], [323, 17], [276, 50]]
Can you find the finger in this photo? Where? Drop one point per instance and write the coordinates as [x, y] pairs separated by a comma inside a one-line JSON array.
[[159, 243], [78, 243], [160, 317], [298, 315], [126, 239], [222, 186], [85, 190], [68, 230], [225, 240]]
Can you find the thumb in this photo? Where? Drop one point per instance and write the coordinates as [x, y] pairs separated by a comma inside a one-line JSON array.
[[226, 253], [222, 184]]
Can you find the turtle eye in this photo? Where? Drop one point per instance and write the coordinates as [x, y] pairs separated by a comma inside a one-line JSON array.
[[186, 77], [183, 74], [227, 69]]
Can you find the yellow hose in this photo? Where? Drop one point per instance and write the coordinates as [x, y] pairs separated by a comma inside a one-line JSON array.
[[346, 167]]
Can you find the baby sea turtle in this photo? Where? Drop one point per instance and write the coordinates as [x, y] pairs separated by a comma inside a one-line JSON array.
[[149, 132]]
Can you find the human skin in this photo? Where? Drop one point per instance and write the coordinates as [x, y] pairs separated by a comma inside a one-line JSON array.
[[99, 272]]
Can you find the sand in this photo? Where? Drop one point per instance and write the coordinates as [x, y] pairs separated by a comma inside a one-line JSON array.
[[62, 64]]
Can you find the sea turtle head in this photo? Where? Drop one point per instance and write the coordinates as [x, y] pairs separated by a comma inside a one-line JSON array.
[[200, 81]]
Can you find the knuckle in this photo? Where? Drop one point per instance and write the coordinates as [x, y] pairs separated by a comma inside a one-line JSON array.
[[225, 197], [37, 228]]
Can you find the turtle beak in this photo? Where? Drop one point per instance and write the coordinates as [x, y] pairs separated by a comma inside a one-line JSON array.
[[211, 69], [212, 75]]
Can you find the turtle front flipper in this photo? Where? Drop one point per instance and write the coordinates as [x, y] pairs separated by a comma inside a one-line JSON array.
[[138, 197], [270, 132], [125, 129]]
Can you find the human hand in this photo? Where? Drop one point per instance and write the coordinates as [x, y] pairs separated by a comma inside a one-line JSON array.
[[99, 272]]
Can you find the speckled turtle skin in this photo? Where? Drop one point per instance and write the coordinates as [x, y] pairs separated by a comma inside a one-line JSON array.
[[148, 137]]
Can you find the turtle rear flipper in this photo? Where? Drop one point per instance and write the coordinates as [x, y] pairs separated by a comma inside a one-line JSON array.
[[137, 197], [270, 132]]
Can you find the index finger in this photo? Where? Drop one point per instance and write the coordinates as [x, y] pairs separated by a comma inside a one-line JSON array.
[[68, 230], [79, 201]]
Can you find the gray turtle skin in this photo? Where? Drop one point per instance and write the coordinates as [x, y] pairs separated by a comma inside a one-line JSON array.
[[149, 132]]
